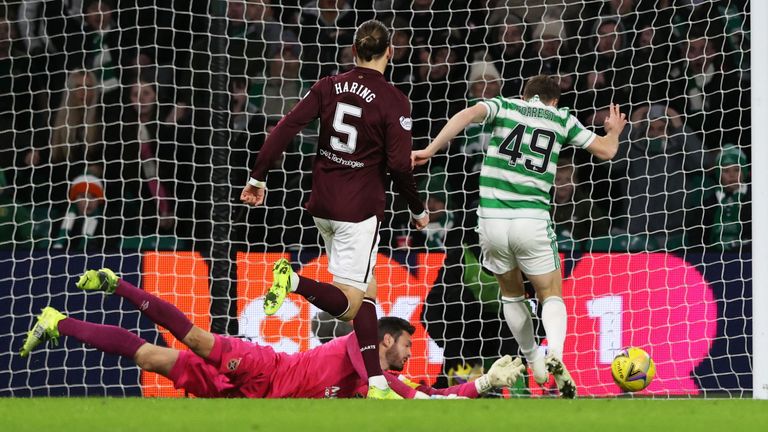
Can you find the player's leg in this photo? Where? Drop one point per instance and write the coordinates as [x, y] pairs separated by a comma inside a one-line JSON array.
[[352, 252], [517, 314], [352, 260], [362, 312], [200, 341], [52, 324], [499, 258], [185, 369], [366, 328], [352, 249], [549, 290], [153, 358], [540, 261], [555, 320], [336, 299], [156, 309]]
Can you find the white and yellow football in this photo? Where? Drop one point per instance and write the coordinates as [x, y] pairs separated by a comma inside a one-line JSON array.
[[633, 369]]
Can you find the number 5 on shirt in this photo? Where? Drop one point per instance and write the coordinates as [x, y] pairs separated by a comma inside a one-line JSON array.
[[345, 128]]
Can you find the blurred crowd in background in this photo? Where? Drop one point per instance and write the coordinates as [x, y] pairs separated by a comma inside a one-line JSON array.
[[103, 105]]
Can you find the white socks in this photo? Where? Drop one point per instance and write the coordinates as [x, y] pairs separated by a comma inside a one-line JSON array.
[[518, 318], [294, 282], [555, 320]]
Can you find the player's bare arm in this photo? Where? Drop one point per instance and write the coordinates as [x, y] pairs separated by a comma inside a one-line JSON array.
[[457, 123], [605, 147]]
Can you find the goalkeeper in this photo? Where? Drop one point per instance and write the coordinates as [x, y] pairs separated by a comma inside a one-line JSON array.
[[221, 366]]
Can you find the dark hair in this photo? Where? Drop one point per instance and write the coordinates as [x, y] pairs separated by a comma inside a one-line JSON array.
[[544, 86], [394, 327], [372, 39]]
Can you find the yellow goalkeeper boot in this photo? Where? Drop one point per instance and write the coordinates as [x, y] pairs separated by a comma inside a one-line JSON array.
[[46, 328], [281, 286], [99, 280], [563, 378], [377, 393]]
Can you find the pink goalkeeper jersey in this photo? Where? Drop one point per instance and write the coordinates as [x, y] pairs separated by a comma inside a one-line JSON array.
[[336, 370], [327, 371], [333, 370]]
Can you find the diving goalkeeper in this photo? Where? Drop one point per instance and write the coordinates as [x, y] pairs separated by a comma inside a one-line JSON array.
[[221, 366]]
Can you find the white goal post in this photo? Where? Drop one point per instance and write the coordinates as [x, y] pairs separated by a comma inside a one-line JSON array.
[[760, 209]]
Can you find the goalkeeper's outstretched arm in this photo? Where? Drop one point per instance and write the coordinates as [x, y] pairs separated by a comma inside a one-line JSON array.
[[503, 373]]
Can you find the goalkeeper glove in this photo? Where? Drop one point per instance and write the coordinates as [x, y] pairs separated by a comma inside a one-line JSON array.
[[503, 373]]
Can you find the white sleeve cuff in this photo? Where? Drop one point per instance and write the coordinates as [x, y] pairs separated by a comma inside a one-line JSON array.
[[487, 107], [483, 384], [418, 216], [589, 141], [259, 184]]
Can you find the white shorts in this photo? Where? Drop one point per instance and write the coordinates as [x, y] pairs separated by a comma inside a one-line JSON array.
[[352, 248], [526, 243]]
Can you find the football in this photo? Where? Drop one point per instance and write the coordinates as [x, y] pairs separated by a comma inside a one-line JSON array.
[[633, 369]]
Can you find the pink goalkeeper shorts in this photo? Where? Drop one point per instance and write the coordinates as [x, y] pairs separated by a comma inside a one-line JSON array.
[[245, 370]]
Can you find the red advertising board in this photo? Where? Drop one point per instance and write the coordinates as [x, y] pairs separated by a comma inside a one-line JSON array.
[[182, 279], [655, 301]]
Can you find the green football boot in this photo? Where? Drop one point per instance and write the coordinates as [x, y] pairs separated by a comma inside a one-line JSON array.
[[99, 280], [46, 328], [281, 286], [377, 393]]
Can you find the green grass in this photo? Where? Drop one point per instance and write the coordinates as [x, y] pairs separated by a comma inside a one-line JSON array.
[[139, 415]]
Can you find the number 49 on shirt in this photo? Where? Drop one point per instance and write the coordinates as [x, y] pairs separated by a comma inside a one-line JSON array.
[[542, 142]]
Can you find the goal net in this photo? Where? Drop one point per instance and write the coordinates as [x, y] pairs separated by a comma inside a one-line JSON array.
[[127, 129]]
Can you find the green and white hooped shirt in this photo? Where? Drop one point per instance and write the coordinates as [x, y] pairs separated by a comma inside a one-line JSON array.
[[520, 163]]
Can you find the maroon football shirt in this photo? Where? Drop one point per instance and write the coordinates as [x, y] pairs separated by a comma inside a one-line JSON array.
[[365, 131]]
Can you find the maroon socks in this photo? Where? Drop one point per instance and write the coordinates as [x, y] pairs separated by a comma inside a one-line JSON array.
[[367, 330], [106, 338], [325, 296], [156, 309]]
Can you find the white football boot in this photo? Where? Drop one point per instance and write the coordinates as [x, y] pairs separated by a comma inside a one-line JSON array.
[[563, 379]]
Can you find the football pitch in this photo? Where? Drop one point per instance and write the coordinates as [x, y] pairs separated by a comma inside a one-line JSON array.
[[137, 414]]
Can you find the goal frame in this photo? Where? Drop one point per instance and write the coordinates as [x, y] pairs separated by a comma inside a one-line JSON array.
[[760, 203]]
